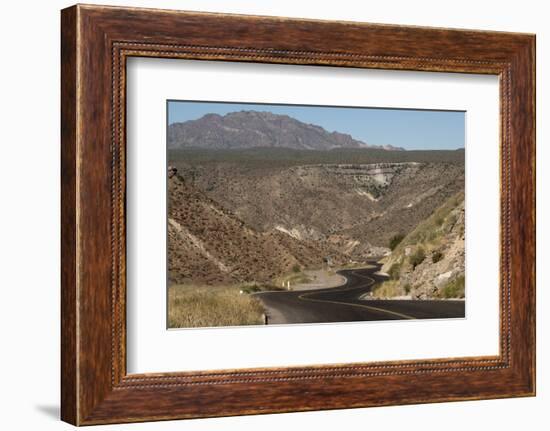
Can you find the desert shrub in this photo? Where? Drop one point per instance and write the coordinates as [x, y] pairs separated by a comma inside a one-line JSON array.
[[375, 190], [387, 289], [395, 240], [296, 268], [453, 289], [417, 257], [394, 271], [437, 256], [432, 235], [407, 288], [452, 219], [439, 221]]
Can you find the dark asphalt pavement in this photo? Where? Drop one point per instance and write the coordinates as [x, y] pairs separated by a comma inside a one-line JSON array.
[[343, 303]]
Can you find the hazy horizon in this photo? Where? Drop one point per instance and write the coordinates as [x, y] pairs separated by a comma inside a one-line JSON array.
[[411, 129]]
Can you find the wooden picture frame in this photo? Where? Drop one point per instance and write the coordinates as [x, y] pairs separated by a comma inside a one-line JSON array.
[[95, 43]]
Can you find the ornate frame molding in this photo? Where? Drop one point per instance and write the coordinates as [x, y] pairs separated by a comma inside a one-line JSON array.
[[96, 41]]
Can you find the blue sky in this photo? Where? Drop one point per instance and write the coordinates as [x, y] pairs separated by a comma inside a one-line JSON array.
[[410, 129]]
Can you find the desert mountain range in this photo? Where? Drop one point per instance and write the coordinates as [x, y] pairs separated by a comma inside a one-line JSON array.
[[256, 129]]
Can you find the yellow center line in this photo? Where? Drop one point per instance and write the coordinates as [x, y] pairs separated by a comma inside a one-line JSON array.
[[369, 307], [304, 297]]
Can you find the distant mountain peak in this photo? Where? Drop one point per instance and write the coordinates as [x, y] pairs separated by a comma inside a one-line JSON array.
[[212, 116], [250, 129]]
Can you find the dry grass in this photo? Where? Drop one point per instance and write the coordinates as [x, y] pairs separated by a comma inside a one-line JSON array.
[[430, 232], [207, 306], [388, 289]]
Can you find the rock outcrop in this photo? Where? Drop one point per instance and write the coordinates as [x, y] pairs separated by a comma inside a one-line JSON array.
[[429, 262]]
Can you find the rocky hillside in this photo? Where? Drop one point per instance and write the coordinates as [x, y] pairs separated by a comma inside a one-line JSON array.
[[208, 244], [429, 261], [355, 208], [250, 129]]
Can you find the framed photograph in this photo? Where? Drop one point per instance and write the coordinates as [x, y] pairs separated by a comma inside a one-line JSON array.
[[329, 214]]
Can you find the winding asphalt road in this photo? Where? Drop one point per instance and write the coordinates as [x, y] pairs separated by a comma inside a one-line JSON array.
[[344, 303]]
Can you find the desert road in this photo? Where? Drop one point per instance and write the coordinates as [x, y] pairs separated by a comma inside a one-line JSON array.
[[343, 303]]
